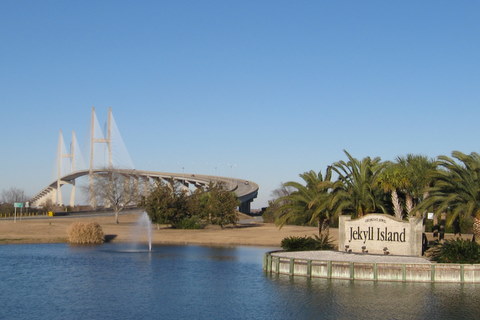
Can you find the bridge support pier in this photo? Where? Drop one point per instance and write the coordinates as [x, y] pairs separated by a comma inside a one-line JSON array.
[[72, 195], [54, 196], [59, 199], [245, 207], [145, 185]]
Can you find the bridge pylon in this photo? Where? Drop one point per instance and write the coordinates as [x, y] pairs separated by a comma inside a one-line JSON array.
[[58, 200], [93, 141]]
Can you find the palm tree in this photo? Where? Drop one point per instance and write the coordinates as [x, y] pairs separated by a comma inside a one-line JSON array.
[[310, 202], [418, 172], [457, 188], [359, 193], [391, 180], [410, 176]]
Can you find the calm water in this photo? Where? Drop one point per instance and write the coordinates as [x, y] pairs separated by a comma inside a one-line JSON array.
[[191, 282]]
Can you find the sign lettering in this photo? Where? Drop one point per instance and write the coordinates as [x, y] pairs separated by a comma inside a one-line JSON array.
[[380, 234]]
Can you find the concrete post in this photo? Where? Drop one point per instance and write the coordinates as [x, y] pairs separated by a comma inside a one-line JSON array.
[[341, 233], [145, 186], [245, 207], [72, 195], [416, 231]]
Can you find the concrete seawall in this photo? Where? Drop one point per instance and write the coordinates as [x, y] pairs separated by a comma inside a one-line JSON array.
[[358, 267]]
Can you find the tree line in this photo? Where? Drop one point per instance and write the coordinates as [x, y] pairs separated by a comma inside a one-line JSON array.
[[408, 187], [8, 197], [170, 203]]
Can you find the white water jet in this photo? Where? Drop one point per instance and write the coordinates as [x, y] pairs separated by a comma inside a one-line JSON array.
[[144, 224]]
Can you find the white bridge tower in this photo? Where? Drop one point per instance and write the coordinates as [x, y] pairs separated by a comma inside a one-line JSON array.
[[93, 140], [57, 196]]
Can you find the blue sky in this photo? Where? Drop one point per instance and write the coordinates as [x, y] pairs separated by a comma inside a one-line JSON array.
[[260, 90]]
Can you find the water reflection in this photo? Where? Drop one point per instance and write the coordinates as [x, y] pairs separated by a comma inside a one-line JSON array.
[[193, 282], [341, 299]]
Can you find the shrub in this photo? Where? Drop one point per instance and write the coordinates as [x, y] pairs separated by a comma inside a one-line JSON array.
[[268, 216], [457, 251], [324, 242], [298, 243], [189, 223], [85, 233], [307, 243]]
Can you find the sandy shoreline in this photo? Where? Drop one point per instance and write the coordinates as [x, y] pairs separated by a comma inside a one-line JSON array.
[[54, 230]]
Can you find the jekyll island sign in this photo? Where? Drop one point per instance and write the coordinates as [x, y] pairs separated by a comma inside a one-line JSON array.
[[380, 234]]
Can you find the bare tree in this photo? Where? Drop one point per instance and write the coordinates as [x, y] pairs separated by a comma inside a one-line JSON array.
[[279, 195], [13, 195], [48, 205], [282, 191], [116, 189]]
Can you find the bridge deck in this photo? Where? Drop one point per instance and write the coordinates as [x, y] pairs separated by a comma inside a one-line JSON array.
[[245, 190]]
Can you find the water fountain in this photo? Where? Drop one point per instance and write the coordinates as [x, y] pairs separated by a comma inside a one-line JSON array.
[[144, 226]]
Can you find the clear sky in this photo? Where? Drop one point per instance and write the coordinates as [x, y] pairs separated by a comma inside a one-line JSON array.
[[260, 90]]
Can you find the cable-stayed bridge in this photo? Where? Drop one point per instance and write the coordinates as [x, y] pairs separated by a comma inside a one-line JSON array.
[[104, 158]]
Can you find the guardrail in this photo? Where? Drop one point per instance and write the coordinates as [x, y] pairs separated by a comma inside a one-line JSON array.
[[24, 214]]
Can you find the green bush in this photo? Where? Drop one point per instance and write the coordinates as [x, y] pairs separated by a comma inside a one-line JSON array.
[[268, 216], [457, 251], [298, 243], [306, 243], [324, 242], [189, 223]]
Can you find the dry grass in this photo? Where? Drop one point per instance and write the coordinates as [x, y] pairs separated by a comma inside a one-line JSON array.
[[54, 230], [85, 233]]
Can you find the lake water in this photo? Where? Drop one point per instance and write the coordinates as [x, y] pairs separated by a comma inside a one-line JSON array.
[[57, 281]]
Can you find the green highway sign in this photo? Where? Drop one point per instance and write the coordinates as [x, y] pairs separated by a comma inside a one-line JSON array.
[[18, 205]]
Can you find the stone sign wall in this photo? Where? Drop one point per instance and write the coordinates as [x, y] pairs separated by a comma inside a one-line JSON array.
[[381, 234]]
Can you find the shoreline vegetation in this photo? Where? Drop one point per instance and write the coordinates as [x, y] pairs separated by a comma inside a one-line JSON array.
[[247, 233], [54, 230]]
